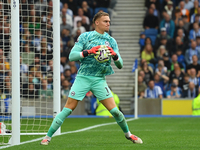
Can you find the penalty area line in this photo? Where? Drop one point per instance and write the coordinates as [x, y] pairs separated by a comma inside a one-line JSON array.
[[79, 130]]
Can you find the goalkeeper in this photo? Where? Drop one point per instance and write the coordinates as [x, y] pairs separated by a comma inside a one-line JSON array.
[[91, 75]]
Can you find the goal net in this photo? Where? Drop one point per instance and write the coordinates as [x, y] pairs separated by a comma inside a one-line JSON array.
[[36, 67]]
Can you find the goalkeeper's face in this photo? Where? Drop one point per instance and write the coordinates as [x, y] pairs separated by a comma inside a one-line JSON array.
[[103, 24]]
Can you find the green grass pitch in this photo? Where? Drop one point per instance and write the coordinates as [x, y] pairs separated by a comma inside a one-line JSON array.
[[156, 133]]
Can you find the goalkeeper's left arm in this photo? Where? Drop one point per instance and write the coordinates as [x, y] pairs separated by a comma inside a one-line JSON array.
[[116, 57], [119, 61]]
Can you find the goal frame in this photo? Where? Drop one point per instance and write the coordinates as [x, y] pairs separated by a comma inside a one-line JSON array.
[[15, 53]]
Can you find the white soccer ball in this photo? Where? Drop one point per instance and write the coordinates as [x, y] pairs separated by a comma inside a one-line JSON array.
[[103, 54]]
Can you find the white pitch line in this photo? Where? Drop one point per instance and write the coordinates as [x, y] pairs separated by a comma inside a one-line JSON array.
[[80, 130]]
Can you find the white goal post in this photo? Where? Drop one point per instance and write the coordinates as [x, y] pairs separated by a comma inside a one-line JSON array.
[[15, 50]]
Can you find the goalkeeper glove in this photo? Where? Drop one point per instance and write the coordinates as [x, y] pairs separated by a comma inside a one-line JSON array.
[[93, 50], [113, 54]]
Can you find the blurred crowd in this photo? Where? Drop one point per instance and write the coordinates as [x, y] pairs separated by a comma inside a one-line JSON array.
[[36, 43], [170, 59]]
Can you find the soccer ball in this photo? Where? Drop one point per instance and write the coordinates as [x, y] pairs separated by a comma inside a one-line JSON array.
[[102, 55]]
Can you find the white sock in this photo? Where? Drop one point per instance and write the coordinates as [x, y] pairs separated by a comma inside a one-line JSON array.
[[128, 134], [48, 138]]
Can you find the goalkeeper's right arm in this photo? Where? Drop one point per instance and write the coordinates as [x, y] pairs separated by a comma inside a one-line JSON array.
[[77, 53]]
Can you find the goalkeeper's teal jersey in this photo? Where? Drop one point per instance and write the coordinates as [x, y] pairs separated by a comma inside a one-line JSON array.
[[89, 66]]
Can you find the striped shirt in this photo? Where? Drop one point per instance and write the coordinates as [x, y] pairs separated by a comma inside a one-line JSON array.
[[153, 93]]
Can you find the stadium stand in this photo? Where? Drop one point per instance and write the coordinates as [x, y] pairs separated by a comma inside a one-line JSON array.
[[181, 53]]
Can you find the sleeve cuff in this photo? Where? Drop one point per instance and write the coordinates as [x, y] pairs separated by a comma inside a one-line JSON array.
[[81, 55]]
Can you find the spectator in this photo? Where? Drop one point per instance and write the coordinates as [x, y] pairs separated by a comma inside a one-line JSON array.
[[65, 89], [168, 24], [194, 65], [174, 92], [195, 20], [25, 38], [155, 11], [194, 32], [181, 32], [147, 70], [37, 78], [23, 70], [149, 2], [73, 73], [84, 23], [186, 82], [72, 5], [68, 18], [179, 44], [141, 87], [161, 71], [193, 78], [36, 63], [194, 10], [195, 16], [24, 8], [44, 92], [158, 82], [165, 42], [163, 35], [190, 52], [198, 42], [46, 54], [174, 59], [147, 41], [177, 74], [78, 33], [64, 25], [50, 67], [79, 17], [178, 16], [142, 40], [33, 24], [169, 9], [40, 7], [160, 52], [186, 23], [167, 61], [181, 58], [32, 92], [188, 5], [142, 74], [37, 39], [50, 81], [86, 9], [27, 56], [69, 11], [67, 74], [150, 21], [80, 27], [191, 92], [184, 11], [148, 54], [25, 85], [153, 91], [66, 39], [8, 90]]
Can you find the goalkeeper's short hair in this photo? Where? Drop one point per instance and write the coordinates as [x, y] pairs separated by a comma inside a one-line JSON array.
[[99, 15]]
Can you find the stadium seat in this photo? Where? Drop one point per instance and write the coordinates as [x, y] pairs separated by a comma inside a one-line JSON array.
[[100, 8], [152, 33]]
